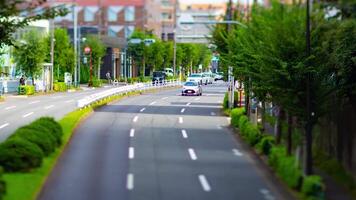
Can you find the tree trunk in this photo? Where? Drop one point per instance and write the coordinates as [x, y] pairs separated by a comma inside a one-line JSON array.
[[308, 162], [144, 66], [263, 113], [278, 125], [289, 135]]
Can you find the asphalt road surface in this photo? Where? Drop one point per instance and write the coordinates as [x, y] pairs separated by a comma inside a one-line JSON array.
[[159, 146], [17, 111]]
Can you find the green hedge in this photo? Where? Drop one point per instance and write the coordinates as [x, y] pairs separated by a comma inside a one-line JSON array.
[[26, 148], [235, 114], [97, 82], [2, 184], [285, 166], [17, 154], [59, 87], [313, 187], [265, 145], [26, 90]]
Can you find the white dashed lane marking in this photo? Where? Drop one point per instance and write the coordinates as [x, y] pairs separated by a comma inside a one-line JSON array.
[[181, 120], [130, 181], [192, 154], [33, 102], [266, 194], [132, 132], [131, 153], [143, 109], [135, 119], [4, 125], [153, 103], [237, 152], [26, 115], [10, 107], [204, 183], [48, 107], [184, 134], [182, 111], [188, 104]]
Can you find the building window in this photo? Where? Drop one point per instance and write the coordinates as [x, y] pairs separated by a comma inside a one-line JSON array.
[[128, 31], [113, 12], [114, 30], [130, 13], [89, 13], [166, 16]]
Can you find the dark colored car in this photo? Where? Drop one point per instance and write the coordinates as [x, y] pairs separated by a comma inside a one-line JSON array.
[[158, 77]]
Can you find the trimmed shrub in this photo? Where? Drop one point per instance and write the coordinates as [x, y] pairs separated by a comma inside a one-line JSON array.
[[226, 101], [17, 154], [26, 90], [236, 113], [252, 134], [55, 129], [285, 166], [59, 87], [313, 187], [97, 82], [40, 137], [266, 143], [242, 123], [2, 184]]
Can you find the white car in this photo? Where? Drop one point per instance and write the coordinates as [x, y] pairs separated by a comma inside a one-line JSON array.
[[209, 76], [191, 88], [196, 78], [218, 76]]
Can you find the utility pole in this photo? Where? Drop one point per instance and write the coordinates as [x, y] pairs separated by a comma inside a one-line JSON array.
[[174, 38], [75, 38], [229, 15], [51, 24]]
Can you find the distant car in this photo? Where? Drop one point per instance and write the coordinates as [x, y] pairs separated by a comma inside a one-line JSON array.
[[158, 77], [195, 78], [209, 76], [218, 76], [191, 88]]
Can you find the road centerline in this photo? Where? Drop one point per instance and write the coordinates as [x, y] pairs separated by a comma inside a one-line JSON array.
[[130, 181], [131, 153], [204, 183], [132, 132]]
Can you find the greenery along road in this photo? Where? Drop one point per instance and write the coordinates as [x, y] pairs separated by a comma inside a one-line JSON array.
[[269, 56]]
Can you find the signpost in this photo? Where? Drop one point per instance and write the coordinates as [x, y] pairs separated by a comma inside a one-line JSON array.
[[87, 50], [231, 88]]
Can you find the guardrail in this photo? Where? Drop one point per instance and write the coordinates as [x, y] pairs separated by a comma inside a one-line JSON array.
[[81, 103]]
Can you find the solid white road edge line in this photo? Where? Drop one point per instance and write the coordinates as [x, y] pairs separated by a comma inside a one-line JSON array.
[[182, 111], [48, 107], [181, 120], [4, 125], [130, 181], [143, 109], [131, 153], [184, 134], [204, 183], [237, 152], [132, 132], [28, 114], [192, 154], [10, 107], [135, 119]]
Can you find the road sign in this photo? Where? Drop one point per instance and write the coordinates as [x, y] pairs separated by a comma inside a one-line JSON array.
[[135, 41], [87, 50]]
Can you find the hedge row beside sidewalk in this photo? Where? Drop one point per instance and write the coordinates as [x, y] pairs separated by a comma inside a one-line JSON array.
[[286, 167]]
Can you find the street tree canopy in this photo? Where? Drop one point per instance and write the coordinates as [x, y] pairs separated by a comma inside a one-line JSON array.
[[29, 11]]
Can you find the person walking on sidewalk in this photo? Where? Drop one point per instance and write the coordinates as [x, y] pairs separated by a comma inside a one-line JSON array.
[[22, 80], [108, 77]]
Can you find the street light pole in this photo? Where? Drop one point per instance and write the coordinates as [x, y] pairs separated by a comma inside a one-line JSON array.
[[75, 38]]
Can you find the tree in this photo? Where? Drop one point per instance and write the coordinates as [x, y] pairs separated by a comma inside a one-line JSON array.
[[30, 54], [63, 54], [11, 10], [98, 51]]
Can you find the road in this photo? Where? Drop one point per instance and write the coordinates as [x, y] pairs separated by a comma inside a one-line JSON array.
[[159, 146], [17, 111]]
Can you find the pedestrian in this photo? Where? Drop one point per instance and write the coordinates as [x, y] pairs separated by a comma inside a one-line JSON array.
[[108, 77], [22, 80]]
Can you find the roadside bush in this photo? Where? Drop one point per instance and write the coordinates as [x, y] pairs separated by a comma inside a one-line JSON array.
[[40, 137], [236, 113], [242, 123], [26, 90], [59, 87], [313, 187], [226, 101], [2, 184], [97, 82], [265, 145], [55, 129], [285, 166], [252, 133], [17, 154]]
